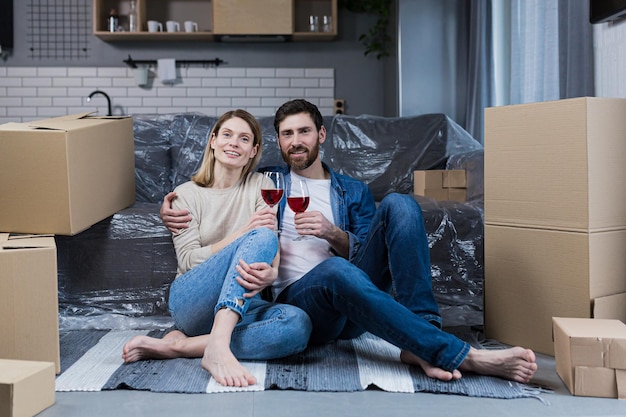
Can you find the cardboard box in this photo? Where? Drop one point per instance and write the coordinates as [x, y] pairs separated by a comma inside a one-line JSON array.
[[557, 165], [532, 275], [26, 387], [591, 356], [62, 175], [441, 185], [29, 305]]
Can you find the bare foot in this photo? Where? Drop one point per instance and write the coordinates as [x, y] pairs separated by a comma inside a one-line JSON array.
[[516, 363], [220, 362], [146, 347], [432, 371]]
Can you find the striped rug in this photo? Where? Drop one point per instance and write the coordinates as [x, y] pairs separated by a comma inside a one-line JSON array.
[[91, 361]]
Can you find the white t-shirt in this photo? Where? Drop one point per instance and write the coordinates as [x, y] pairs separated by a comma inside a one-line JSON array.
[[297, 257]]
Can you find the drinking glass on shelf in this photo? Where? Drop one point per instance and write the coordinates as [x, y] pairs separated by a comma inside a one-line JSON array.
[[298, 199]]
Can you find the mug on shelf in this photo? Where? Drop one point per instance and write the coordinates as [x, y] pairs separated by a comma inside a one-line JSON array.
[[172, 26], [191, 26], [154, 26], [314, 23]]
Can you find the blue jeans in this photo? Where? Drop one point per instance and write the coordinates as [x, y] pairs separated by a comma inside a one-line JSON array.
[[344, 300], [396, 255], [266, 330]]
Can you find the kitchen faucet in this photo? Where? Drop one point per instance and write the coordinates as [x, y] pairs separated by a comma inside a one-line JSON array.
[[105, 95]]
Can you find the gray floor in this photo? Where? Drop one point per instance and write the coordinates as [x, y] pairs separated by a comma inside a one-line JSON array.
[[303, 404]]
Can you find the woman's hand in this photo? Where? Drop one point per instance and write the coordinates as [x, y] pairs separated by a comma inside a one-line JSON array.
[[255, 276], [262, 218]]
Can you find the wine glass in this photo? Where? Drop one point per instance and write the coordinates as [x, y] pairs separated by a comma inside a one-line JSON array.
[[273, 188], [298, 199]]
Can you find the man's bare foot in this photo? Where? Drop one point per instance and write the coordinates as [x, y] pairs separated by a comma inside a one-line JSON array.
[[146, 347], [516, 363], [432, 371], [220, 362]]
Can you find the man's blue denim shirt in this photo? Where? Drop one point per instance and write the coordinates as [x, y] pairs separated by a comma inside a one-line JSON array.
[[352, 202]]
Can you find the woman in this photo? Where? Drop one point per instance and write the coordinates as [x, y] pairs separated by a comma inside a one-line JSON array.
[[226, 256]]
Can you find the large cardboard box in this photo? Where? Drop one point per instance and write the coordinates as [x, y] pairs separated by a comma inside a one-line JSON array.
[[532, 275], [591, 356], [26, 387], [29, 307], [62, 175], [557, 164]]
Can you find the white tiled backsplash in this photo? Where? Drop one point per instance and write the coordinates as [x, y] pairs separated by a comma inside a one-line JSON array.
[[31, 93]]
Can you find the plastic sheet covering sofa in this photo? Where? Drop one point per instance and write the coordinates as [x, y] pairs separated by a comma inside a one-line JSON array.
[[117, 273]]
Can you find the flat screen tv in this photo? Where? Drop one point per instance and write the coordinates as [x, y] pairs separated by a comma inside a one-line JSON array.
[[6, 24], [601, 11]]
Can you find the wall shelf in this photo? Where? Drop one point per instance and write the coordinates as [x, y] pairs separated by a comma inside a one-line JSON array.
[[203, 12], [149, 36]]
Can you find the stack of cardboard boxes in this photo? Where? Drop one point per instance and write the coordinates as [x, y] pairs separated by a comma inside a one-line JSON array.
[[441, 185], [59, 176], [555, 217]]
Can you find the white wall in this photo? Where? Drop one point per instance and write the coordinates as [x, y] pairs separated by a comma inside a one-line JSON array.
[[31, 93], [609, 50]]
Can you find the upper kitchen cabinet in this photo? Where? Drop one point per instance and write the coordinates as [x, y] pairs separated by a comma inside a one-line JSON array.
[[299, 20], [253, 17]]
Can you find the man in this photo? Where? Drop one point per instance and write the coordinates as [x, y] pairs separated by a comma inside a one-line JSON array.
[[342, 278]]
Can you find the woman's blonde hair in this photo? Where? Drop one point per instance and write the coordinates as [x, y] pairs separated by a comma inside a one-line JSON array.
[[205, 176]]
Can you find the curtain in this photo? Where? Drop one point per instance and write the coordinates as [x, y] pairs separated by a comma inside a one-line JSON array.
[[480, 68], [551, 44], [523, 51]]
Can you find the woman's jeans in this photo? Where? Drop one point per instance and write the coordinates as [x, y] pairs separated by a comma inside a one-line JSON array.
[[266, 330], [344, 300]]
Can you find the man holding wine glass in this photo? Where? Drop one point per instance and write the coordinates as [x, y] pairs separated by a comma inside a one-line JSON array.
[[342, 276]]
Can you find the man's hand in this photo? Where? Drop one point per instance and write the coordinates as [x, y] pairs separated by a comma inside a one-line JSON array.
[[313, 223], [174, 220], [255, 276]]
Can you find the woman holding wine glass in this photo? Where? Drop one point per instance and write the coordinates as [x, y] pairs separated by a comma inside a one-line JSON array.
[[226, 256]]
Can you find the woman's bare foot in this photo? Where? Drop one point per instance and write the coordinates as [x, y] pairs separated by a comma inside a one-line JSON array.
[[146, 347], [220, 362], [432, 371], [516, 363]]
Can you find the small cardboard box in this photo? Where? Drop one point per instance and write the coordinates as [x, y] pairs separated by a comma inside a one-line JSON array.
[[590, 356], [62, 175], [29, 307], [440, 184], [532, 275], [557, 164], [26, 387]]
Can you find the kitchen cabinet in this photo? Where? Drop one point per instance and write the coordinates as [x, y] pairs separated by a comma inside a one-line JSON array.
[[219, 19]]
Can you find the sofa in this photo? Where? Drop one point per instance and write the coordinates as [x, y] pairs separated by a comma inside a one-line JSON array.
[[117, 273]]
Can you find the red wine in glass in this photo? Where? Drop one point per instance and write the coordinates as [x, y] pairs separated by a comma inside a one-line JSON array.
[[273, 188], [298, 204], [298, 200], [272, 196]]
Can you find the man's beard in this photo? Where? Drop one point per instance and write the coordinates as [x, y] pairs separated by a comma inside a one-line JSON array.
[[301, 164]]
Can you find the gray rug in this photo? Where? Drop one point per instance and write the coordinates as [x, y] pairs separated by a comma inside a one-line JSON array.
[[91, 361]]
